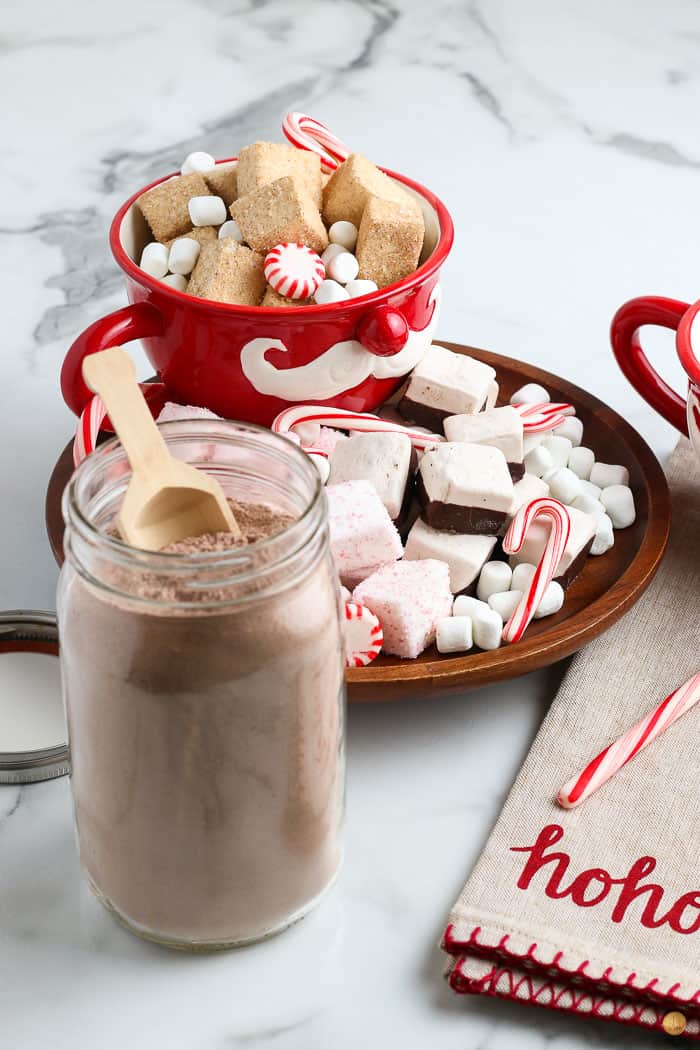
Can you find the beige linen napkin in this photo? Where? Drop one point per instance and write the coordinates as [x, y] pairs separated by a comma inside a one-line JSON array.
[[597, 910]]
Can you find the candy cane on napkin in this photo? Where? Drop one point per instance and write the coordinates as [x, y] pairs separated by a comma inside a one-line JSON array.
[[91, 419], [543, 416], [616, 755], [306, 133], [342, 420], [556, 514]]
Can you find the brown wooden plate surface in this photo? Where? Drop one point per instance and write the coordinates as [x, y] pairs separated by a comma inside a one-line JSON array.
[[608, 586]]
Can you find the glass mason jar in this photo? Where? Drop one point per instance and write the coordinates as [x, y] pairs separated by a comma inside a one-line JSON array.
[[205, 700]]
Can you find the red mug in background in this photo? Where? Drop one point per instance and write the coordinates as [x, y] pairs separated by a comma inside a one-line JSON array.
[[250, 363], [684, 320]]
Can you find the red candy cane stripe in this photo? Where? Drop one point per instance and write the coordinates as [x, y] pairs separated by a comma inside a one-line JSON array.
[[306, 133], [91, 420], [554, 512], [616, 755], [342, 420], [363, 635], [546, 415], [294, 270]]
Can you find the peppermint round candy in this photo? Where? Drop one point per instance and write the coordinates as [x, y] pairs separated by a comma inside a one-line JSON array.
[[363, 635], [294, 270]]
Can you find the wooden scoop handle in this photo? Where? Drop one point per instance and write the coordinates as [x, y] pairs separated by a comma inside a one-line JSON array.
[[111, 374]]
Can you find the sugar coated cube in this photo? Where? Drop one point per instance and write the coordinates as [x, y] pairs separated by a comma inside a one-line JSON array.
[[410, 598], [222, 180], [228, 272], [165, 207], [389, 242], [279, 212], [353, 184], [262, 163], [361, 531]]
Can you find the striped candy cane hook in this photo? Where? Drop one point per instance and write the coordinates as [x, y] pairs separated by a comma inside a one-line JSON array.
[[305, 132], [342, 420], [555, 513], [91, 419]]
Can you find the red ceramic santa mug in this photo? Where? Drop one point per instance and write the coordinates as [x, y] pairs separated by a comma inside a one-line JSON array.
[[684, 320], [249, 363]]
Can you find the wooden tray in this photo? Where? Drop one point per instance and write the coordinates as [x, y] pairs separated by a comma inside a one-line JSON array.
[[608, 586]]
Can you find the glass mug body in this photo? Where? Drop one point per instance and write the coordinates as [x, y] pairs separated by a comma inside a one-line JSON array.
[[205, 701]]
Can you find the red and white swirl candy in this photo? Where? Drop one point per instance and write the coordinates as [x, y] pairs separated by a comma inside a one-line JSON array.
[[306, 133], [555, 514], [546, 415], [308, 419], [600, 769], [294, 270], [363, 635]]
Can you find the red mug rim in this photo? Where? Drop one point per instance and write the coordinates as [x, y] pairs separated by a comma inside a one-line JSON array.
[[688, 358], [426, 269]]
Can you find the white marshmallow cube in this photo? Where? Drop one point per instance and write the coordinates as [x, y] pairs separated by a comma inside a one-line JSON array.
[[154, 259], [329, 292], [604, 538], [559, 449], [505, 603], [564, 485], [466, 605], [606, 474], [571, 428], [454, 634], [230, 228], [207, 211], [619, 504], [357, 288], [581, 460], [531, 393], [539, 461], [522, 576], [183, 255], [343, 267], [197, 161], [588, 504], [487, 628], [590, 489], [552, 600], [495, 576], [343, 233], [175, 280]]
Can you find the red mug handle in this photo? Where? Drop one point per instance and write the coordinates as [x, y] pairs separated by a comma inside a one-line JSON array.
[[137, 321], [624, 336]]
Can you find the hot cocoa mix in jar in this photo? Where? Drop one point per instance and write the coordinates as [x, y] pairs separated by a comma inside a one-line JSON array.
[[205, 697]]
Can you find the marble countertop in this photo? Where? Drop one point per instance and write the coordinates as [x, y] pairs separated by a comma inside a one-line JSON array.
[[563, 137]]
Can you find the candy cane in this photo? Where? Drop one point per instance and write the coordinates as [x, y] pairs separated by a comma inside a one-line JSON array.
[[616, 755], [554, 512], [91, 420], [306, 133], [543, 416], [342, 420], [363, 635]]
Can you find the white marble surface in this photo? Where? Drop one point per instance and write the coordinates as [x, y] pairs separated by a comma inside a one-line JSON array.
[[563, 136]]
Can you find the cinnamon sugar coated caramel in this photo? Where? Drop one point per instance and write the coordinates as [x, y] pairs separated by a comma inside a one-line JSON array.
[[353, 184], [223, 182], [263, 162], [165, 207], [228, 272], [201, 234], [279, 212], [389, 241]]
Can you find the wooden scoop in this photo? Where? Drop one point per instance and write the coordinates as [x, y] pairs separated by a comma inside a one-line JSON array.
[[166, 499]]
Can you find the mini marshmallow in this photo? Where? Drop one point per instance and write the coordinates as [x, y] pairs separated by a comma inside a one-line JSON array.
[[590, 489], [175, 280], [197, 161], [552, 600], [183, 255], [207, 211], [230, 228], [154, 259], [604, 537], [465, 605], [588, 504], [330, 253], [531, 441], [571, 428], [343, 233], [539, 461], [607, 474], [343, 267], [522, 576], [619, 504], [531, 393], [564, 485], [581, 460], [357, 288], [505, 603], [487, 628], [454, 634], [329, 292], [559, 449], [495, 577]]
